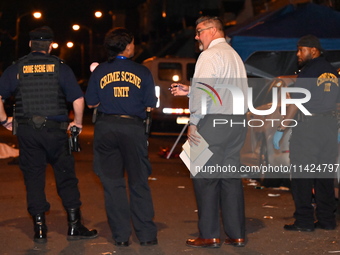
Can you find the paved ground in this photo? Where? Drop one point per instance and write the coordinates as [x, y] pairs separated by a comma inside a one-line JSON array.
[[175, 208]]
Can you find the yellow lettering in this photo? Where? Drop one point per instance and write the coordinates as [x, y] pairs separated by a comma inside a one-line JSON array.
[[109, 78], [103, 82], [28, 69], [120, 76], [127, 75], [327, 87], [126, 91], [131, 78], [50, 68], [39, 69], [138, 80], [116, 76], [121, 91]]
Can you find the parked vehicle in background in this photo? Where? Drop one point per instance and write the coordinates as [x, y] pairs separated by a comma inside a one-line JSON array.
[[170, 111]]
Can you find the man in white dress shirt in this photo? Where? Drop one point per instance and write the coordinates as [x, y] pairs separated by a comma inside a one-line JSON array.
[[219, 71]]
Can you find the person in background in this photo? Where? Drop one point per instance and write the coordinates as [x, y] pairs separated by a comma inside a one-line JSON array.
[[217, 66], [122, 91], [41, 85], [313, 144]]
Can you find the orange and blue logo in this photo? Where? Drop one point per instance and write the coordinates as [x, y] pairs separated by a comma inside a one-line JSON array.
[[211, 92]]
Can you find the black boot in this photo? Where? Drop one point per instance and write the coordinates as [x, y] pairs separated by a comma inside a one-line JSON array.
[[76, 230], [40, 228]]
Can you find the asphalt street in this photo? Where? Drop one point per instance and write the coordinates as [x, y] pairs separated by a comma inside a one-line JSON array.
[[267, 210]]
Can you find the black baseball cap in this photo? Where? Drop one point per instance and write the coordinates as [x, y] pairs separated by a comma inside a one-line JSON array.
[[44, 33], [310, 41]]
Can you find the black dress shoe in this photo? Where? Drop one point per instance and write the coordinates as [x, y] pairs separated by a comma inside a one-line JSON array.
[[293, 227], [319, 225], [122, 244], [149, 243]]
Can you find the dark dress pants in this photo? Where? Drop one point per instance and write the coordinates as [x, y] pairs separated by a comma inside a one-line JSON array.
[[121, 145], [38, 147], [314, 144], [221, 192]]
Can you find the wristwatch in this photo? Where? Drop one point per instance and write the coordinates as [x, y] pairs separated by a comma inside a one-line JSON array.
[[4, 122]]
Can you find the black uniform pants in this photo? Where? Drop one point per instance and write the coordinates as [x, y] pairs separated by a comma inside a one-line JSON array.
[[121, 144], [221, 192], [38, 147], [314, 144]]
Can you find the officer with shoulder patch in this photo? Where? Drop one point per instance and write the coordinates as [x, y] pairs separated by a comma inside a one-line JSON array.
[[122, 90], [42, 85], [313, 145]]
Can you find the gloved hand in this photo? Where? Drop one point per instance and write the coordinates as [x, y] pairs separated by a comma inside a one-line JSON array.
[[276, 139], [338, 137]]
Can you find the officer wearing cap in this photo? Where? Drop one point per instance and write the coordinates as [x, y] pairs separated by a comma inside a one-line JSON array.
[[42, 85], [44, 33], [122, 90], [313, 144]]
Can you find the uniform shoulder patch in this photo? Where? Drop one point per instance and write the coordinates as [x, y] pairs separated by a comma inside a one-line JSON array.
[[327, 79]]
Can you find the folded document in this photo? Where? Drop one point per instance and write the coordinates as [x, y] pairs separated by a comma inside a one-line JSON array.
[[195, 156]]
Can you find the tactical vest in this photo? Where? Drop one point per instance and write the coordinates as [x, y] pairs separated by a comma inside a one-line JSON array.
[[39, 92]]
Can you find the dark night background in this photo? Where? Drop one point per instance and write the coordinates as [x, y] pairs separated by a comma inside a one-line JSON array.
[[143, 17], [155, 35]]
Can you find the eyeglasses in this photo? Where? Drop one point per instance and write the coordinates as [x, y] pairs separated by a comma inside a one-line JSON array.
[[199, 31]]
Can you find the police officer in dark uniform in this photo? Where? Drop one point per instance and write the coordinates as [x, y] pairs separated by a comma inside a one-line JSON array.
[[313, 145], [41, 85], [122, 90]]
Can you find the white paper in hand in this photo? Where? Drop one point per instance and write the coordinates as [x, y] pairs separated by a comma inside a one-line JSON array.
[[195, 150], [195, 157]]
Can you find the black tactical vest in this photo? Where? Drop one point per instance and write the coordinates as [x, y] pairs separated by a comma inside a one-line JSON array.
[[39, 92]]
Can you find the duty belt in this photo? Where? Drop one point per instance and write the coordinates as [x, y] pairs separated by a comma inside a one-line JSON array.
[[46, 123], [323, 114], [120, 116], [302, 117]]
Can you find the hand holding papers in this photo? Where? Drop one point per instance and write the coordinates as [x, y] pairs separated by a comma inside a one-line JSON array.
[[195, 156]]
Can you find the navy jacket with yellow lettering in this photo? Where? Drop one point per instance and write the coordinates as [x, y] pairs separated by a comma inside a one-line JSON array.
[[121, 87]]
